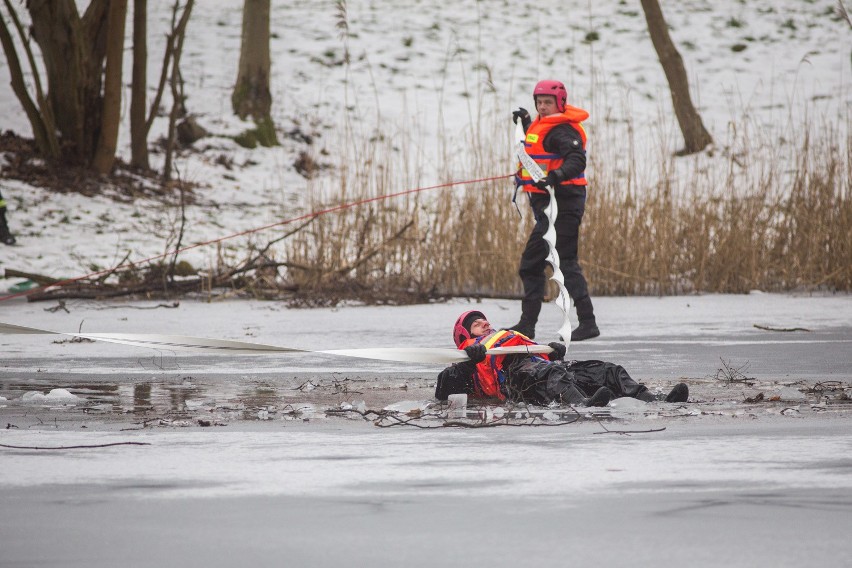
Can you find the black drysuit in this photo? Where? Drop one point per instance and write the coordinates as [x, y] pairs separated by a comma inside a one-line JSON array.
[[539, 381]]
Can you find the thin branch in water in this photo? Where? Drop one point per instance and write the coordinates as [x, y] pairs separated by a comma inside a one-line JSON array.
[[733, 375], [59, 306], [74, 447], [131, 307], [628, 432], [786, 329]]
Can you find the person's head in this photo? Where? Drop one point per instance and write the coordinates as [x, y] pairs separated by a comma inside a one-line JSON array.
[[470, 325], [550, 97]]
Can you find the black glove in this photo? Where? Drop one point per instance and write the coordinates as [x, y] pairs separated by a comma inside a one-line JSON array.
[[524, 115], [553, 179], [476, 352], [559, 350]]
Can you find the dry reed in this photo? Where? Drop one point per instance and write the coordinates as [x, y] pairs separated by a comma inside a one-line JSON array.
[[756, 214]]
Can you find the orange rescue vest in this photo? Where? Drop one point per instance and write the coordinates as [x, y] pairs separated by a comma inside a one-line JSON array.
[[534, 143], [489, 377]]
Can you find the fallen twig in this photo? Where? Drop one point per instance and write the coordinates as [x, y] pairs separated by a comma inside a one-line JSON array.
[[754, 399], [824, 386], [504, 422], [74, 447], [627, 432], [729, 374], [128, 306], [59, 306], [784, 329], [622, 432]]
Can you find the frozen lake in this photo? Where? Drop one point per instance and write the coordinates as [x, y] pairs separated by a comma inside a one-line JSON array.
[[276, 479]]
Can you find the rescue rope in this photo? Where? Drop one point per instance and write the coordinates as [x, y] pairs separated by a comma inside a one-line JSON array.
[[310, 215], [443, 355], [563, 299]]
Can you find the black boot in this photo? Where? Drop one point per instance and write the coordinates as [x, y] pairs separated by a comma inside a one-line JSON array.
[[586, 330], [586, 314], [680, 393], [529, 316], [601, 397]]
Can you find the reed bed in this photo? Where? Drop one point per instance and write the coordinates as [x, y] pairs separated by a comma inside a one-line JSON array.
[[754, 213], [760, 216]]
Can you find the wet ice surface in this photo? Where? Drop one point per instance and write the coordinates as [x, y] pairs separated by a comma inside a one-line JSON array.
[[739, 492], [248, 459]]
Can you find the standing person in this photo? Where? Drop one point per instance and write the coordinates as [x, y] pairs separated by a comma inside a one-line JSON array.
[[5, 236], [534, 378], [556, 141]]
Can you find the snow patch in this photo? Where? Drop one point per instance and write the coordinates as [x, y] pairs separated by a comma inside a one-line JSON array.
[[55, 395]]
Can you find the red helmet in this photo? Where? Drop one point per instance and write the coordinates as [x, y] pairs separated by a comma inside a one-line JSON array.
[[461, 332], [555, 88]]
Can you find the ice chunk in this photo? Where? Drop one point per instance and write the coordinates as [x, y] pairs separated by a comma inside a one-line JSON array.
[[628, 403], [55, 395], [790, 394], [406, 406], [61, 394], [626, 407]]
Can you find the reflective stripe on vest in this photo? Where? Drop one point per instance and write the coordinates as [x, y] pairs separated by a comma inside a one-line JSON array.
[[489, 375]]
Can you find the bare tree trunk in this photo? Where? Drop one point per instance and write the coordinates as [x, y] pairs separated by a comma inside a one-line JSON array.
[[40, 118], [695, 136], [138, 130], [251, 96], [105, 151], [73, 50], [176, 41]]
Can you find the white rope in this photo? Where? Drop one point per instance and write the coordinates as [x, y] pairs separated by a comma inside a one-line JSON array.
[[563, 299], [440, 355]]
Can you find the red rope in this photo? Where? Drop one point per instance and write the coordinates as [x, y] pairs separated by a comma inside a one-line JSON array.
[[250, 231]]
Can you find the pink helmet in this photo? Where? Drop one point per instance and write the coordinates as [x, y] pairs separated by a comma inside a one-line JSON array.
[[555, 88], [461, 331]]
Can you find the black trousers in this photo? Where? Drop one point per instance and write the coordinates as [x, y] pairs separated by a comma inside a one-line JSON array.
[[571, 204], [540, 382]]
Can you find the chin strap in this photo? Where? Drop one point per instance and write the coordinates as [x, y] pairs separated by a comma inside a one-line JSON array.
[[563, 299]]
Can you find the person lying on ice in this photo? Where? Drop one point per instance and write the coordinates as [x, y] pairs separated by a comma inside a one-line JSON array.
[[534, 378]]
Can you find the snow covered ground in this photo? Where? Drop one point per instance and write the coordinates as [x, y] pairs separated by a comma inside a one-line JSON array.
[[430, 72]]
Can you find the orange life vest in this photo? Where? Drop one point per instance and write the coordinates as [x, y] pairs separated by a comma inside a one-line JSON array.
[[534, 144], [489, 377]]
